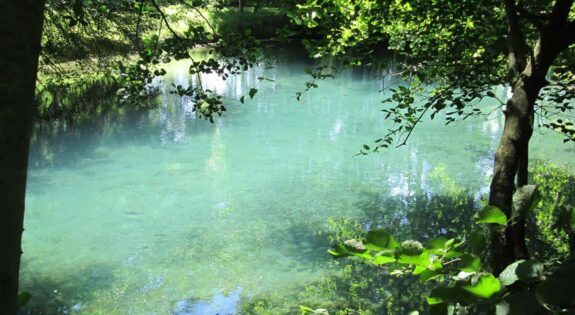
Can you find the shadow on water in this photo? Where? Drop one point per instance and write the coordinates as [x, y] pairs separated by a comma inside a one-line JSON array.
[[419, 216], [221, 304], [68, 293], [302, 242]]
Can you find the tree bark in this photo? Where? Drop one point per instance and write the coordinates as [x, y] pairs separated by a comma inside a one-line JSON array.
[[510, 154], [20, 35]]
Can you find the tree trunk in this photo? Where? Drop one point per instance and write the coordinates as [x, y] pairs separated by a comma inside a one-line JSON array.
[[20, 34], [511, 159]]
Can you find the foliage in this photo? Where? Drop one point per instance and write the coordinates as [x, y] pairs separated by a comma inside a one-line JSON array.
[[96, 33], [557, 192], [79, 30], [460, 46], [72, 92], [462, 283], [263, 23]]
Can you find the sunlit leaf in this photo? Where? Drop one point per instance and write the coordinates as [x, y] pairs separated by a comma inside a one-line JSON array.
[[485, 287], [382, 260], [491, 215], [380, 239]]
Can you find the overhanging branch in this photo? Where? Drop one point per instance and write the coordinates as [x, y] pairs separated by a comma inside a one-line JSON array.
[[165, 20]]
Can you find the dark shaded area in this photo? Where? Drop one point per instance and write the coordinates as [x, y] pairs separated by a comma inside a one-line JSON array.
[[64, 295], [262, 24], [420, 216], [301, 242]]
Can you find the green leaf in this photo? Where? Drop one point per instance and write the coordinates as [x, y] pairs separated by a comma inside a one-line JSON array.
[[380, 239], [252, 92], [526, 199], [477, 242], [420, 260], [428, 275], [520, 270], [509, 275], [242, 99], [350, 248], [485, 287], [529, 269], [491, 215], [453, 254], [382, 260], [23, 299], [307, 70], [470, 263], [439, 243]]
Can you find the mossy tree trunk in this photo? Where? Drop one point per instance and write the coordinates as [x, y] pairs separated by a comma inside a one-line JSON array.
[[20, 33]]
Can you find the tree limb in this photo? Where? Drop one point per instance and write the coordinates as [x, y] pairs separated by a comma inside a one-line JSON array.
[[518, 48], [184, 2], [165, 20], [137, 39]]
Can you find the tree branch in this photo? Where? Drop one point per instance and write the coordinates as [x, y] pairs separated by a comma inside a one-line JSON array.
[[184, 2], [165, 20], [137, 39], [518, 48]]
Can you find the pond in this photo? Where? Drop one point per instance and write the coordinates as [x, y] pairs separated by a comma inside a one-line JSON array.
[[159, 212]]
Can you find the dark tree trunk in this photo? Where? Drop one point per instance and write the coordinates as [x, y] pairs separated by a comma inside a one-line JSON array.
[[20, 33], [511, 156]]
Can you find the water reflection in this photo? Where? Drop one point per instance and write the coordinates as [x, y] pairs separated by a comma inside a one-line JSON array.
[[219, 304]]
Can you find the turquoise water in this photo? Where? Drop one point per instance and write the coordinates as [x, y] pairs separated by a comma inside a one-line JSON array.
[[160, 212]]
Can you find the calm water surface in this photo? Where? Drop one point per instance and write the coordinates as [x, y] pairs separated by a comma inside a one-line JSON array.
[[159, 212]]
